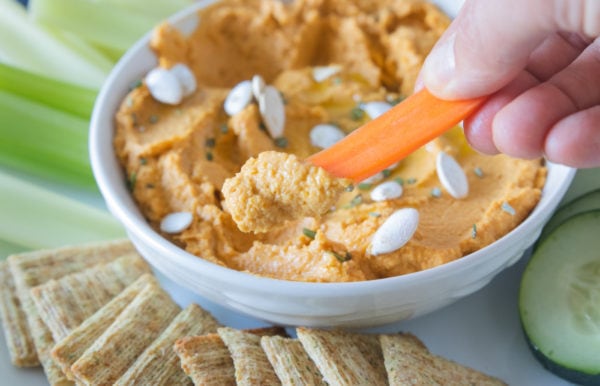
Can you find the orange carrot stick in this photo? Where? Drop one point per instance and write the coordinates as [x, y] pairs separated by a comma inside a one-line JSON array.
[[394, 135]]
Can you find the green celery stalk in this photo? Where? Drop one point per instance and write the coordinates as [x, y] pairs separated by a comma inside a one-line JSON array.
[[7, 249], [26, 45], [51, 92], [96, 22], [157, 8], [44, 141], [34, 217]]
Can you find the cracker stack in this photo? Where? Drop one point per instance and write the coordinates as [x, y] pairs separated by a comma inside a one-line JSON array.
[[94, 315], [319, 357]]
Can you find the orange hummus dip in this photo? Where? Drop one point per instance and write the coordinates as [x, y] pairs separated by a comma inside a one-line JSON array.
[[178, 157]]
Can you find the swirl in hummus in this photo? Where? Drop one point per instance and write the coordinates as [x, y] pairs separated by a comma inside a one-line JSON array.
[[179, 157]]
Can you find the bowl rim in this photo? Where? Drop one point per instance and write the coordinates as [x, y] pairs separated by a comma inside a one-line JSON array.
[[135, 224]]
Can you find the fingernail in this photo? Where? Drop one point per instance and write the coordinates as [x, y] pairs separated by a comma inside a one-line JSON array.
[[440, 66]]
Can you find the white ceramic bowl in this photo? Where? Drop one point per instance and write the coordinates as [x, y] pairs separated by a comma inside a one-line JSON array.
[[358, 304]]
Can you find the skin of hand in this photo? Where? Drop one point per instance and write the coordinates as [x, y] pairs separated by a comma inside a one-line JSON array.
[[539, 60]]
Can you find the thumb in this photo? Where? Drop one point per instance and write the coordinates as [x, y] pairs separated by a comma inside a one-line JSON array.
[[490, 42]]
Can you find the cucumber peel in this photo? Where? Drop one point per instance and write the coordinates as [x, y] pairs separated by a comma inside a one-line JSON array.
[[559, 300], [583, 203]]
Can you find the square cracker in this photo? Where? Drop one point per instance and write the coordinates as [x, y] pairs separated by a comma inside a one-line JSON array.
[[291, 363], [74, 345], [34, 268], [134, 329], [16, 332], [63, 304], [345, 358], [252, 367], [409, 362], [206, 360], [159, 364]]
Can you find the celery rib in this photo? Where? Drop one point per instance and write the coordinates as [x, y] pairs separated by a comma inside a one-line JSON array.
[[27, 45], [34, 217], [51, 92], [44, 141]]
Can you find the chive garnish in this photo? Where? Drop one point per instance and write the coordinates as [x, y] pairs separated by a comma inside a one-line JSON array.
[[149, 186], [374, 214], [356, 114], [281, 142], [210, 142], [395, 101], [143, 161], [209, 156], [364, 186], [153, 118], [309, 233], [478, 172], [436, 192], [262, 126], [386, 173], [349, 188], [399, 180], [132, 180], [342, 258], [474, 231], [508, 208], [135, 84], [357, 200], [224, 128], [411, 180]]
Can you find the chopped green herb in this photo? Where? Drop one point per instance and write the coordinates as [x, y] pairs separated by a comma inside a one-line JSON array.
[[374, 214], [395, 101], [508, 208], [474, 231], [209, 156], [364, 186], [135, 84], [129, 101], [149, 186], [131, 181], [349, 188], [309, 233], [281, 142], [357, 200], [386, 173], [143, 161], [411, 181], [478, 172], [342, 258], [337, 80], [134, 119], [153, 118], [399, 180], [356, 114], [262, 126], [210, 142], [436, 192], [224, 128], [283, 98]]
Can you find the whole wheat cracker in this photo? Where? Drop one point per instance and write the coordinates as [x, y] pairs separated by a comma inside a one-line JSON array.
[[206, 360], [14, 323], [159, 364], [63, 304], [34, 268], [291, 363], [74, 345], [138, 325], [409, 362], [345, 358], [252, 367]]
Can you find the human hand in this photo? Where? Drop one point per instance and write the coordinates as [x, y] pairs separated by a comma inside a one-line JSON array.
[[540, 60]]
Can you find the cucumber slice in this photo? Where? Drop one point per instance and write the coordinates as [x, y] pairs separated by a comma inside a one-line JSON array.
[[559, 300], [584, 203]]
